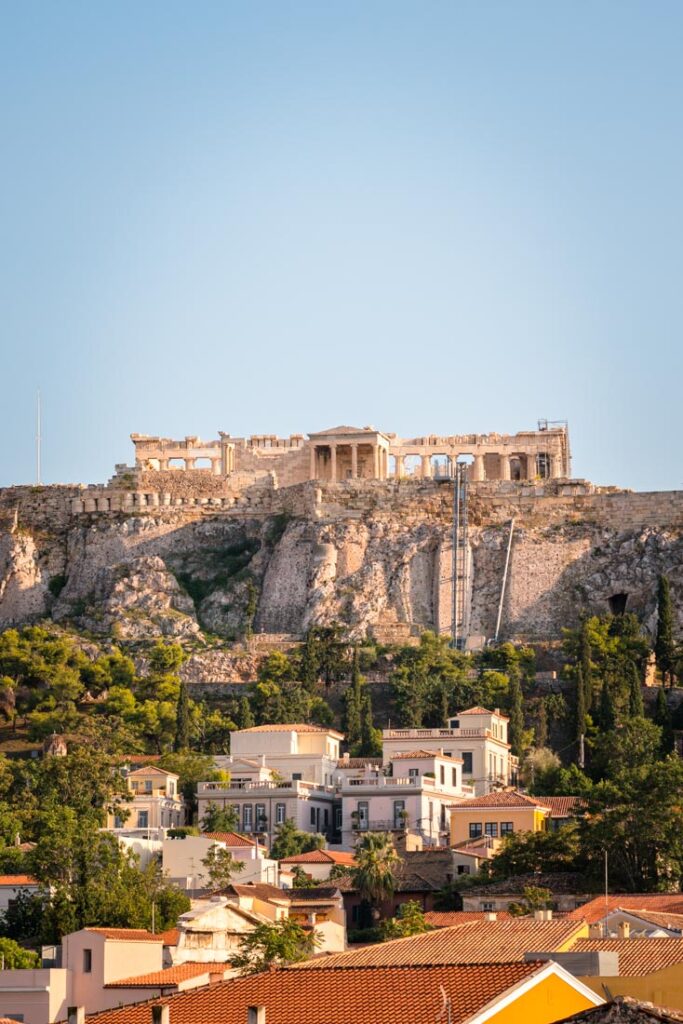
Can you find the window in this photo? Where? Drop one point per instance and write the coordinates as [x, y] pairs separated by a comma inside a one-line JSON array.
[[362, 814], [280, 813], [143, 819], [296, 776], [413, 773], [463, 869], [506, 828], [338, 818], [87, 961], [326, 817], [442, 775], [475, 829], [399, 813], [171, 787], [455, 723], [148, 785], [488, 906], [118, 822], [454, 777], [247, 818], [491, 828], [313, 816], [467, 762], [260, 817]]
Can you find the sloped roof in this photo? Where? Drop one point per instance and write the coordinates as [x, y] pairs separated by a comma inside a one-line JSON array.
[[672, 921], [152, 768], [636, 956], [127, 934], [625, 1010], [599, 907], [344, 430], [18, 880], [294, 727], [479, 711], [504, 798], [170, 976], [391, 995], [321, 857], [230, 838], [563, 806], [480, 942], [449, 918]]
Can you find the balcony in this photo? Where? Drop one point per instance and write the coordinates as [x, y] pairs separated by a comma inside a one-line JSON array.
[[437, 734], [291, 787]]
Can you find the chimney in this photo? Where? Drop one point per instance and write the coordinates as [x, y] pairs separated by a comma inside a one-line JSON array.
[[539, 915], [624, 930], [490, 915], [595, 931], [256, 1015], [75, 1015], [548, 915], [346, 756], [161, 1013]]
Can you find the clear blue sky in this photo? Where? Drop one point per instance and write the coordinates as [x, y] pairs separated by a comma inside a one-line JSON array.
[[263, 216]]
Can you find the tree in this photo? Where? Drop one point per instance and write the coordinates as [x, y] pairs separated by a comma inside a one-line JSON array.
[[541, 732], [15, 956], [607, 716], [585, 665], [523, 853], [409, 920], [580, 726], [289, 841], [376, 864], [221, 866], [245, 715], [663, 719], [182, 728], [353, 703], [665, 650], [534, 898], [220, 819], [636, 708], [274, 945], [370, 738], [516, 727], [250, 609]]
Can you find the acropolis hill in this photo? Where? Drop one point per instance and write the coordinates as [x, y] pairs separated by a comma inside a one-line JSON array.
[[349, 525]]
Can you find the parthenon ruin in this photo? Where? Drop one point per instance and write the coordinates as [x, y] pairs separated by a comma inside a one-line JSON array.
[[362, 453]]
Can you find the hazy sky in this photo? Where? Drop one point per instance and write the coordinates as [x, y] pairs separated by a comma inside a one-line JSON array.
[[279, 216]]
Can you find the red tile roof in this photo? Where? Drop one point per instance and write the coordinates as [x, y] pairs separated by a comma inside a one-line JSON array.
[[127, 934], [563, 806], [294, 727], [476, 942], [321, 857], [170, 976], [479, 711], [18, 880], [636, 956], [449, 918], [596, 909], [392, 995], [230, 838], [505, 798]]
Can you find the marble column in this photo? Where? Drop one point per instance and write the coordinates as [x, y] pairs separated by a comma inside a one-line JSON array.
[[556, 467], [478, 468], [333, 463], [312, 470], [504, 467], [354, 461], [426, 469], [400, 468]]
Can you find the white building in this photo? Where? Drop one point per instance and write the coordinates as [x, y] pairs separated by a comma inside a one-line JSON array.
[[182, 858], [278, 772], [413, 793], [156, 801], [477, 736]]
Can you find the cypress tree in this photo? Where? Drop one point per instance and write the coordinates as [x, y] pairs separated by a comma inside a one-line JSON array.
[[585, 666], [662, 718], [542, 725], [310, 662], [665, 651], [245, 714], [516, 727], [580, 712], [607, 713], [636, 708], [353, 703], [368, 743], [182, 720]]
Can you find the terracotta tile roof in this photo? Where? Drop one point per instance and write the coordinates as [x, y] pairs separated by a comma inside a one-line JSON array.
[[477, 710], [422, 754], [475, 942], [264, 891], [563, 806], [230, 838], [170, 937], [321, 857], [127, 934], [170, 976], [449, 918], [294, 727], [597, 908], [393, 995], [505, 798], [625, 1010], [636, 956], [672, 921], [18, 880]]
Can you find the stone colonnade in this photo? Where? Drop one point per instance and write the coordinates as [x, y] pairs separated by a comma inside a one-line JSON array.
[[344, 461], [517, 466]]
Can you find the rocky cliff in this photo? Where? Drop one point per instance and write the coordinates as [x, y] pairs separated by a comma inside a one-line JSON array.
[[376, 556]]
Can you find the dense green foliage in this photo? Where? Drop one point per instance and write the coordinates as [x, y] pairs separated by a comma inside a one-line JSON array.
[[274, 945], [289, 841]]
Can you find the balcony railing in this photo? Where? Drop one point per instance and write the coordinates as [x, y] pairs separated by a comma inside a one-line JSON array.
[[436, 734], [395, 825], [236, 788]]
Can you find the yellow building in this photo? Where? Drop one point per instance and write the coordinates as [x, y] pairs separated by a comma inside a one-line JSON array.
[[497, 815]]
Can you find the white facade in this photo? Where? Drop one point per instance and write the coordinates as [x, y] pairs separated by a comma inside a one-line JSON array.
[[476, 735], [415, 796], [182, 858], [156, 801]]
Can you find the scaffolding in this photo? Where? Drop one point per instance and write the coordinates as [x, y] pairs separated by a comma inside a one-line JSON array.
[[461, 560]]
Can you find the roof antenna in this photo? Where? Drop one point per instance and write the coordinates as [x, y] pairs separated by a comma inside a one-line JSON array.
[[446, 1007], [38, 439]]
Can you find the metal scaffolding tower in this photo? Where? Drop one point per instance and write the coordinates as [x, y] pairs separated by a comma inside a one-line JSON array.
[[461, 560]]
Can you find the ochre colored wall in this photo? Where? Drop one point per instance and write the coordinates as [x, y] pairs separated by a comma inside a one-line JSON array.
[[663, 988], [552, 999]]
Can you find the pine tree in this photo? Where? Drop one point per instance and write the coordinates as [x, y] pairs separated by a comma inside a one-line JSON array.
[[245, 714], [665, 651], [636, 708], [182, 720], [662, 718], [580, 712], [541, 738], [607, 713], [516, 727]]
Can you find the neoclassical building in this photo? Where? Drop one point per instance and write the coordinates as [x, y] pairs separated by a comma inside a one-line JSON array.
[[350, 453]]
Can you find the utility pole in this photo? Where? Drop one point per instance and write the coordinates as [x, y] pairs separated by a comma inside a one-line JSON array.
[[38, 439], [582, 751]]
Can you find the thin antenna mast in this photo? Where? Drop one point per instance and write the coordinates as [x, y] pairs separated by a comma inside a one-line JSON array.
[[38, 440]]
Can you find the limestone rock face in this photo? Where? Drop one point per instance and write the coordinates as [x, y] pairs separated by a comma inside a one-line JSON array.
[[374, 558]]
